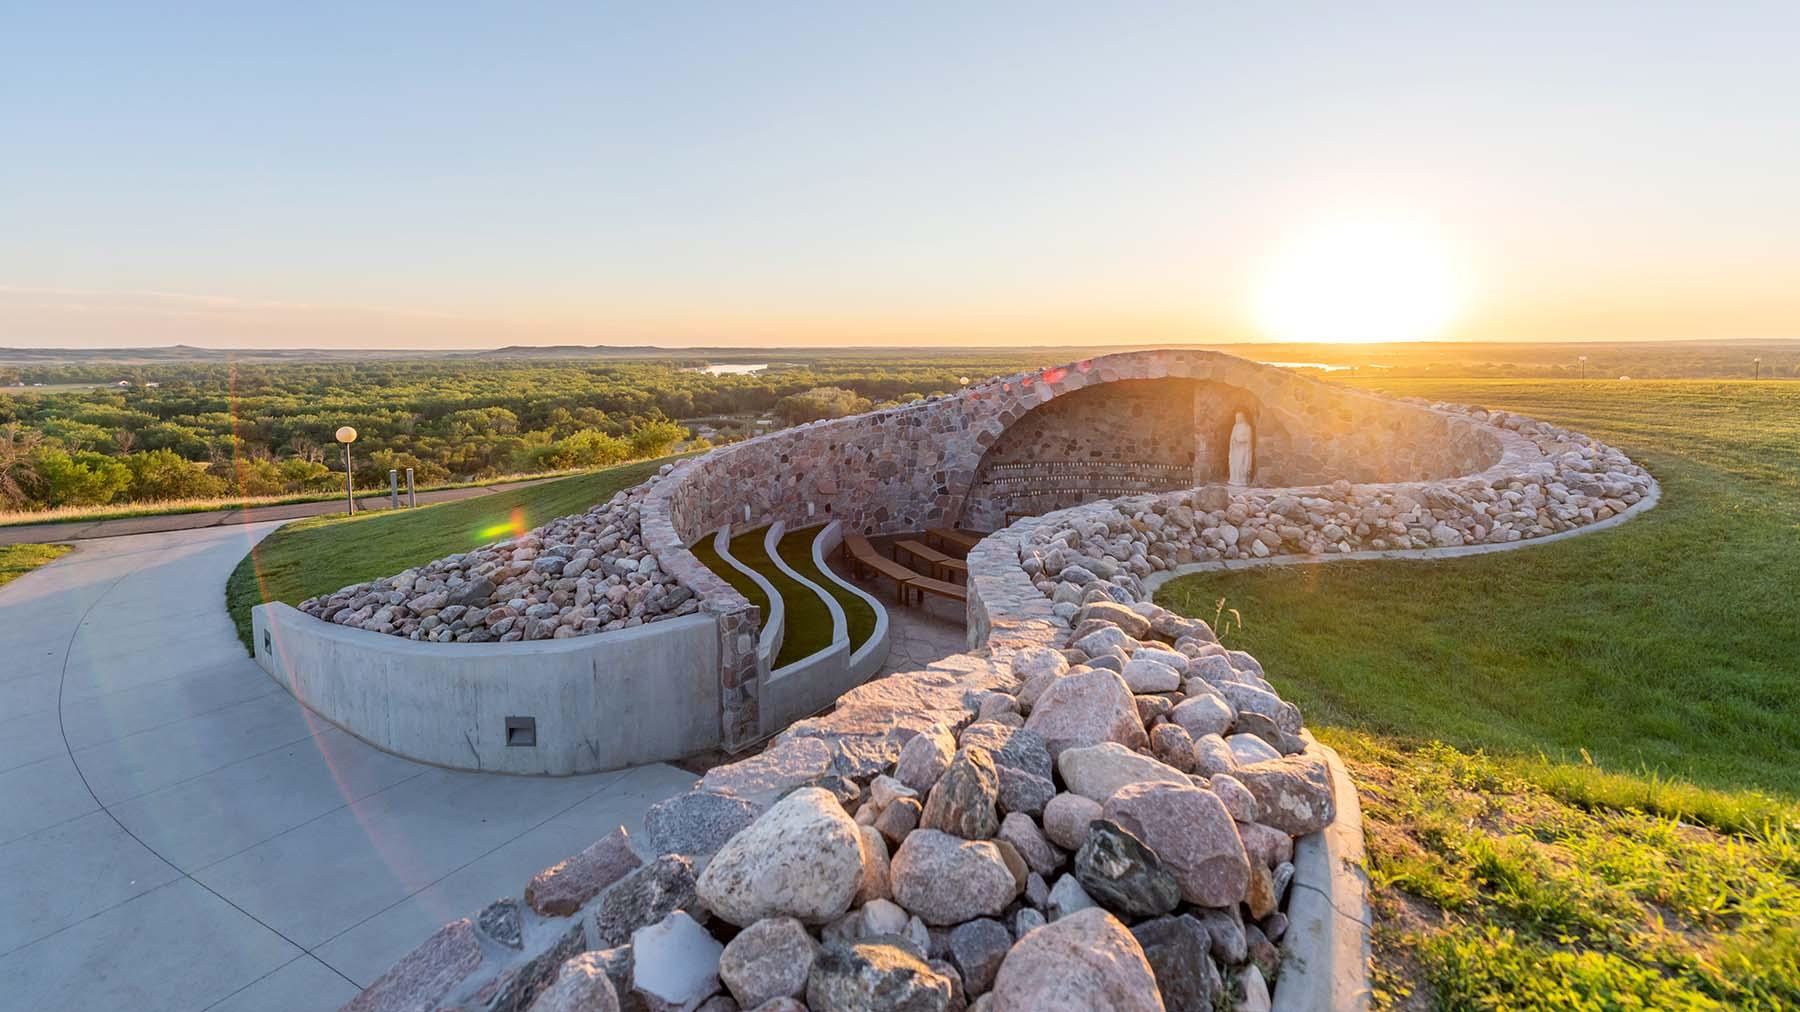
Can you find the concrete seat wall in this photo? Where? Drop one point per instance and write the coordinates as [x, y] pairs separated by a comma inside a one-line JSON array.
[[596, 703]]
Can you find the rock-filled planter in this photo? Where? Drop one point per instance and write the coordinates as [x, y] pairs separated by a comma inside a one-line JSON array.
[[1555, 481], [1105, 824], [575, 576]]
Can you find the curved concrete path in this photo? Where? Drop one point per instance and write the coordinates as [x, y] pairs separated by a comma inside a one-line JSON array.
[[176, 832]]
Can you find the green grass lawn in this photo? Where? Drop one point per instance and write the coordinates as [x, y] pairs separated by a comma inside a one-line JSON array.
[[1645, 679], [320, 554], [808, 619], [796, 550], [17, 560]]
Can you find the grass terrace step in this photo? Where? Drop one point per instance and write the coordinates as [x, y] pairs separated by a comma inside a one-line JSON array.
[[796, 550]]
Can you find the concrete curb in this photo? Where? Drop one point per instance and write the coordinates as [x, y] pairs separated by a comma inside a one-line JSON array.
[[1325, 953], [768, 644], [1154, 581]]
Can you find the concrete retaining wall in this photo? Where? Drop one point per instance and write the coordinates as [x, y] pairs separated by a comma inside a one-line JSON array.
[[596, 702]]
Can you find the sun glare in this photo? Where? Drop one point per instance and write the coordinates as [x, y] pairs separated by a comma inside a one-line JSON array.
[[1366, 281]]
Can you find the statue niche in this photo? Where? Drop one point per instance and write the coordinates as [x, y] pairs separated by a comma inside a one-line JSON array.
[[1238, 458]]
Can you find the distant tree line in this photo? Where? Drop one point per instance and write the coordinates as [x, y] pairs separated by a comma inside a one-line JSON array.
[[205, 430]]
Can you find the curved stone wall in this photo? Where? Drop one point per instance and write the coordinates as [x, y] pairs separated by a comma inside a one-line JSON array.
[[917, 466], [913, 467], [959, 825]]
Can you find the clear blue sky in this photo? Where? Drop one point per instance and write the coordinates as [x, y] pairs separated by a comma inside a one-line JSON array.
[[443, 174]]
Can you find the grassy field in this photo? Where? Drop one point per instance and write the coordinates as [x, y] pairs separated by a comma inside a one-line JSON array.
[[320, 554], [17, 560], [1604, 695]]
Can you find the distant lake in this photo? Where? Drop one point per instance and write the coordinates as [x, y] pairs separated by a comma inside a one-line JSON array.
[[1308, 365], [732, 370]]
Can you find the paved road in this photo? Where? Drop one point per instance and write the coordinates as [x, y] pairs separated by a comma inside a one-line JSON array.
[[176, 832], [90, 529]]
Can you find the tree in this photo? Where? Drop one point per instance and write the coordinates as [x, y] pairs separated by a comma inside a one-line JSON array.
[[300, 474], [655, 438], [159, 475], [820, 402], [19, 481], [82, 478], [256, 477]]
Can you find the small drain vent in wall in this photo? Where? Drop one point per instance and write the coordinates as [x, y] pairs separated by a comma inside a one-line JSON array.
[[521, 732], [267, 649]]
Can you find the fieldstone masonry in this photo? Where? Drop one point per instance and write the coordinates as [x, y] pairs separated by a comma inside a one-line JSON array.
[[1096, 806]]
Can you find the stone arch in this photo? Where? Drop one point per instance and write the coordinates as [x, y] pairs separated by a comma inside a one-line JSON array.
[[1103, 441], [1293, 441]]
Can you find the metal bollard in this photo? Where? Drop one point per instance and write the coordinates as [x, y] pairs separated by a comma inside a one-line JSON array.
[[412, 498], [393, 489]]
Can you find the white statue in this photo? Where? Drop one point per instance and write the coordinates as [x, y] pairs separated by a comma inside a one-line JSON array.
[[1239, 460]]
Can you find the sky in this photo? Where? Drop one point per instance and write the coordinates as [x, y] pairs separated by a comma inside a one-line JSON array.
[[474, 175]]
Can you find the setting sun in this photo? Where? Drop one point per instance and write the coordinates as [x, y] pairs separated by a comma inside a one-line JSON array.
[[1364, 281]]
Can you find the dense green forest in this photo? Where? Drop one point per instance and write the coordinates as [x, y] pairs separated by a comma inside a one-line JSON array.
[[99, 433], [89, 428]]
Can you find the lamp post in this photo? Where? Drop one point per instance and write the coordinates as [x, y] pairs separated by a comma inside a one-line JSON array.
[[1757, 365], [347, 435], [1583, 360]]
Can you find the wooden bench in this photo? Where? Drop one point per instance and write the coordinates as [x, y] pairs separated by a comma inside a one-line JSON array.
[[862, 555], [954, 539], [942, 588], [934, 560]]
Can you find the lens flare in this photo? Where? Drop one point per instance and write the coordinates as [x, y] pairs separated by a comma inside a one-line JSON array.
[[512, 527]]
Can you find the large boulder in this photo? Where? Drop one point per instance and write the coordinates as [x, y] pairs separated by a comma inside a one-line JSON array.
[[1096, 771], [1292, 793], [697, 823], [767, 960], [674, 963], [947, 880], [1204, 714], [1084, 961], [644, 897], [581, 986], [1066, 819], [874, 976], [1023, 833], [1123, 874], [1176, 948], [566, 886], [802, 858], [976, 950], [1194, 835], [1144, 674], [1087, 708], [767, 775], [1012, 747], [1129, 622], [963, 800], [924, 758]]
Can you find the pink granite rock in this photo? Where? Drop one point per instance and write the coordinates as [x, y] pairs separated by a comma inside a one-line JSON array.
[[1192, 833], [563, 888], [1084, 961], [1087, 708]]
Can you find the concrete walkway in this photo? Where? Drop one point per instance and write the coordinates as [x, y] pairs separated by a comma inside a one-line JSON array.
[[176, 832], [84, 530]]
